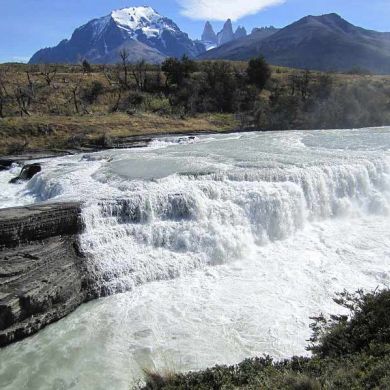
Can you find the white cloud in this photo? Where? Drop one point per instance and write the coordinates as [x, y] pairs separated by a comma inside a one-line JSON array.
[[224, 9]]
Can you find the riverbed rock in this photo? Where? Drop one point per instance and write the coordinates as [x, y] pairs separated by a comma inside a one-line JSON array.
[[5, 164], [27, 173], [42, 270]]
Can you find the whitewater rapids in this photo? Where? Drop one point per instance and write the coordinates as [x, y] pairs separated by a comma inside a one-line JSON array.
[[224, 246]]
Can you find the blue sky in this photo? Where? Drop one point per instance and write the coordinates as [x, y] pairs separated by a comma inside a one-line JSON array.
[[28, 25]]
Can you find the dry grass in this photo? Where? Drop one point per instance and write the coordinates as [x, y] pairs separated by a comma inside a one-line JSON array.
[[60, 132]]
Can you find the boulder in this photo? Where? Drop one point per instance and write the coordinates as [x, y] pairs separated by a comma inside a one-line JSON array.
[[5, 164], [27, 173]]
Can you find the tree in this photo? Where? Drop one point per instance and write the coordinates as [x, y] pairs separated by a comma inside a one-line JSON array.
[[23, 98], [139, 74], [221, 85], [48, 72], [93, 91], [4, 95], [87, 68], [124, 55], [258, 72], [178, 70]]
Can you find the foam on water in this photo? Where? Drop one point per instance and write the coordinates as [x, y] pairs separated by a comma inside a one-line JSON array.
[[228, 245]]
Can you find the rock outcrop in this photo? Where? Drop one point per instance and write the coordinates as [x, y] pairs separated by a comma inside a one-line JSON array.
[[240, 32], [28, 172], [5, 164], [226, 34], [42, 271]]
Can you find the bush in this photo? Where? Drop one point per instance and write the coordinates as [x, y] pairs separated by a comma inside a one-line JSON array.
[[93, 91], [366, 329], [258, 72]]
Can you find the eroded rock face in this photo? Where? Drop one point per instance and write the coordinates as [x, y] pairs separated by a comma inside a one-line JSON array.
[[42, 271]]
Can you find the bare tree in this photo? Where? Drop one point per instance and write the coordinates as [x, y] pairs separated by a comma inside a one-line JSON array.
[[4, 95], [118, 97], [75, 98], [124, 55], [30, 82], [139, 73], [48, 72], [3, 80], [111, 75], [23, 98], [2, 103]]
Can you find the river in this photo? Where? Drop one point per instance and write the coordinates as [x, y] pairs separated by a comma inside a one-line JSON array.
[[223, 247]]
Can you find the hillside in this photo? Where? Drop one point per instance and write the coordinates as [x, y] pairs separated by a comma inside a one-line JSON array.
[[47, 107], [326, 43]]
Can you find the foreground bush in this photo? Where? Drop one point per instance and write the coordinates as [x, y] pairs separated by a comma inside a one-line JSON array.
[[349, 352]]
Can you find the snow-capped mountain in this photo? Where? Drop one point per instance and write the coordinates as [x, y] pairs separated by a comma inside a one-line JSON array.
[[143, 31], [212, 40]]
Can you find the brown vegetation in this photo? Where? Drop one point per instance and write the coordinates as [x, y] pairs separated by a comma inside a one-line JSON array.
[[68, 106]]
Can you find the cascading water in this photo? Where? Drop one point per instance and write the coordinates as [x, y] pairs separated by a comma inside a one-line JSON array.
[[187, 222], [228, 244]]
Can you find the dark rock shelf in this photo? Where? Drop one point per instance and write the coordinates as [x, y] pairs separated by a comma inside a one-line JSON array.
[[42, 271]]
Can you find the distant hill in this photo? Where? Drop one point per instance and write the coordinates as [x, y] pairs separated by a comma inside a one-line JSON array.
[[145, 33], [326, 42]]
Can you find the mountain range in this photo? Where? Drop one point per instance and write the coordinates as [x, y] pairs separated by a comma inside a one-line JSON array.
[[141, 30], [326, 42], [212, 40]]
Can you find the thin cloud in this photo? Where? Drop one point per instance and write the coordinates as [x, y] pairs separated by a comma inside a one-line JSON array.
[[223, 9]]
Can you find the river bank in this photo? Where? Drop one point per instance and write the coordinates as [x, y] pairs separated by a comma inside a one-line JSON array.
[[76, 134]]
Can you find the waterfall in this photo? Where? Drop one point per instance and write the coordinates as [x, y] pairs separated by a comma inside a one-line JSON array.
[[171, 226]]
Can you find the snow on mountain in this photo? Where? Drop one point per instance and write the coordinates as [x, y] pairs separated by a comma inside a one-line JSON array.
[[145, 20]]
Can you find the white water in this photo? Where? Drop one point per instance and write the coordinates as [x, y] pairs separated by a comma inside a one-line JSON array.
[[228, 244]]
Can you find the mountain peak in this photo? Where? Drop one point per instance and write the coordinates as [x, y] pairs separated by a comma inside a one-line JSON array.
[[240, 32], [209, 37], [331, 22], [142, 30], [135, 14], [227, 34], [142, 19]]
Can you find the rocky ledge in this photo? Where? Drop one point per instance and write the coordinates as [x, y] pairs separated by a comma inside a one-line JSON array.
[[42, 271]]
